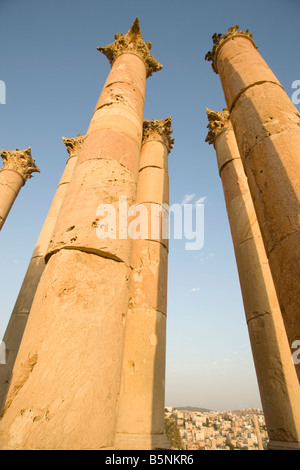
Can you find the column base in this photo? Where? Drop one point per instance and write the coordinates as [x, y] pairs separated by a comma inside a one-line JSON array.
[[124, 441], [283, 445]]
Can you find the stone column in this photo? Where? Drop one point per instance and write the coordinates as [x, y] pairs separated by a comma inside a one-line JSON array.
[[266, 125], [140, 422], [15, 328], [18, 167], [276, 374], [67, 374]]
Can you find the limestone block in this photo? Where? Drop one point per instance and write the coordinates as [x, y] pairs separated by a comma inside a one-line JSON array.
[[121, 95], [143, 373], [87, 191], [262, 111], [153, 186], [110, 144], [257, 286], [150, 221], [120, 120], [129, 69], [276, 374], [277, 381], [226, 149], [234, 181], [68, 171], [235, 77], [284, 261], [276, 198], [148, 285]]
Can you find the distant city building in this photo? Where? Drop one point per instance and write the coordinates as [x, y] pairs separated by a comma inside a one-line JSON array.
[[221, 430]]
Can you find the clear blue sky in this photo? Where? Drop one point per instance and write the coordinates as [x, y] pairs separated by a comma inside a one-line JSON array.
[[54, 75]]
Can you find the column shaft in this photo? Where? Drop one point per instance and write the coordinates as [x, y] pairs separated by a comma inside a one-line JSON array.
[[67, 374], [140, 422], [276, 375], [18, 167], [266, 125], [15, 328], [10, 184]]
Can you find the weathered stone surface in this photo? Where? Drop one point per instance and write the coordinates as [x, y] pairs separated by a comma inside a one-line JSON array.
[[18, 166], [75, 357], [152, 156], [143, 386], [15, 328], [266, 125], [261, 112], [148, 286], [132, 42], [155, 186], [79, 229], [276, 375], [140, 423], [62, 363]]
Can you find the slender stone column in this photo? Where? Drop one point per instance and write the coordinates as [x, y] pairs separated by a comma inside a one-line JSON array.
[[276, 374], [66, 378], [140, 422], [15, 328], [266, 125], [18, 167]]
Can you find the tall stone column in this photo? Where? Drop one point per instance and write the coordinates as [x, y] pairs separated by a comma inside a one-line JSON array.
[[266, 125], [16, 325], [140, 422], [276, 374], [67, 374], [18, 166]]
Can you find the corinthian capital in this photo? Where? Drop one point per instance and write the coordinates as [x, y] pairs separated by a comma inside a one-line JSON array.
[[159, 129], [74, 144], [20, 161], [218, 122], [219, 39], [132, 43]]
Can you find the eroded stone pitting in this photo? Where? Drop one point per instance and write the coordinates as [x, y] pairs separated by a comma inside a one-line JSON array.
[[275, 371]]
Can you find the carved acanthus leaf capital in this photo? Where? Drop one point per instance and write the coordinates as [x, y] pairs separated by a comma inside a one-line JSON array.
[[219, 39], [20, 161], [74, 144], [218, 122], [132, 43], [159, 129]]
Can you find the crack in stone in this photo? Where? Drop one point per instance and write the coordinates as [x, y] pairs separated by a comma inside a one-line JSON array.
[[261, 82]]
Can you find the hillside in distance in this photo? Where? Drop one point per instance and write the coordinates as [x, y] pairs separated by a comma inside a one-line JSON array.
[[192, 408]]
